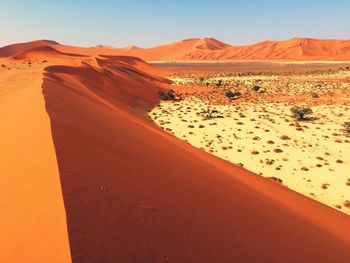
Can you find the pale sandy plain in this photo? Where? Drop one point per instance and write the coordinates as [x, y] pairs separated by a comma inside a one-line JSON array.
[[258, 132]]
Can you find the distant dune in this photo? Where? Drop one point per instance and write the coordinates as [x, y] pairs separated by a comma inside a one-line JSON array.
[[103, 46], [211, 49], [293, 49], [132, 47], [11, 50], [87, 177]]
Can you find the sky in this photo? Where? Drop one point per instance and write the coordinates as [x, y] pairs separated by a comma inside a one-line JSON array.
[[149, 23]]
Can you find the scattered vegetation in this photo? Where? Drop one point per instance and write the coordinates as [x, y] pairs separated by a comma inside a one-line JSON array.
[[260, 125], [300, 112], [256, 88], [314, 95], [219, 83], [233, 95], [210, 114], [167, 95], [347, 127]]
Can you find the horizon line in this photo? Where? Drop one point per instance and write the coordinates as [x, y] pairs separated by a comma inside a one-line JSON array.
[[176, 41]]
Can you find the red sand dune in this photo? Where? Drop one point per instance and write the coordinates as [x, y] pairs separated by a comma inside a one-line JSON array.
[[211, 49], [123, 190], [293, 49], [11, 50]]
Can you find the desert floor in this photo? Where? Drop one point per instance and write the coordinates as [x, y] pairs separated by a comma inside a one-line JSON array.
[[256, 129], [248, 65]]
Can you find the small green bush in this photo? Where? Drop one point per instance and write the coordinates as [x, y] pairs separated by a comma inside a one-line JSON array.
[[233, 95], [167, 95], [256, 88], [219, 83], [347, 126], [314, 95], [299, 112]]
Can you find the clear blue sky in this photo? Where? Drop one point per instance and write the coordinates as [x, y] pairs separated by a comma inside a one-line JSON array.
[[148, 23]]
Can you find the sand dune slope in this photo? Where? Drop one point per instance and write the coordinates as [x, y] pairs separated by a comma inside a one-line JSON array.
[[33, 219], [133, 193]]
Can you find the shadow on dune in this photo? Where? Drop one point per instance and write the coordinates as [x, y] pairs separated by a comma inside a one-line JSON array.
[[133, 193]]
